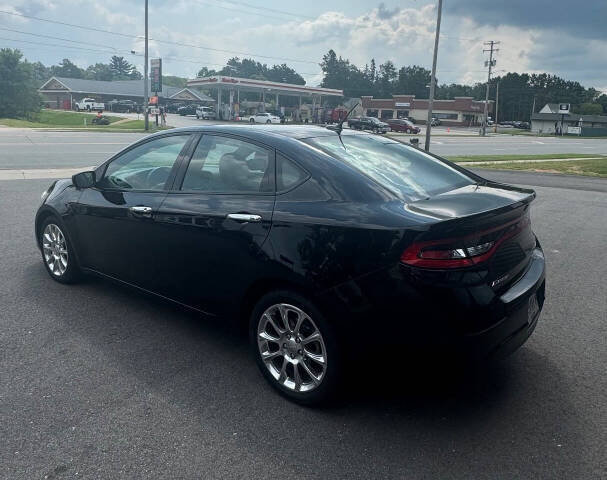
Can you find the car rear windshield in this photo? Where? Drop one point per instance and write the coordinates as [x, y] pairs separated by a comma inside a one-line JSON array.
[[406, 171]]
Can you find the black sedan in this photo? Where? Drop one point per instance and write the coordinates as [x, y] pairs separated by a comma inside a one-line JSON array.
[[122, 106], [189, 109], [324, 247]]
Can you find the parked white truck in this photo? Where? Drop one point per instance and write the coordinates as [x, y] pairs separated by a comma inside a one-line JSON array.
[[89, 104]]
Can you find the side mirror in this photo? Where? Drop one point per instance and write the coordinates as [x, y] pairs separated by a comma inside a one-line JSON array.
[[84, 180]]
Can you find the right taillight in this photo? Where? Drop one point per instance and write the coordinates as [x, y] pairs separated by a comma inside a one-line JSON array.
[[461, 252]]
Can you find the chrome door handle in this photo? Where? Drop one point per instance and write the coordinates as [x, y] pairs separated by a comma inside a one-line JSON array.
[[141, 211], [244, 217]]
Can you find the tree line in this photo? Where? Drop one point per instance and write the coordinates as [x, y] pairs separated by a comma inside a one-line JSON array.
[[249, 68], [118, 68], [517, 92]]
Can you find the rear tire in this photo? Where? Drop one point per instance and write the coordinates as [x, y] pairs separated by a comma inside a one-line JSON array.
[[295, 347], [269, 121], [252, 120], [57, 252]]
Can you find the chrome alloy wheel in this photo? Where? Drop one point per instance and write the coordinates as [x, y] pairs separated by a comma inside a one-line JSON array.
[[54, 249], [292, 347]]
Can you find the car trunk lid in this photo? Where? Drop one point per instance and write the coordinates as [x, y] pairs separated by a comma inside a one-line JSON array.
[[483, 227]]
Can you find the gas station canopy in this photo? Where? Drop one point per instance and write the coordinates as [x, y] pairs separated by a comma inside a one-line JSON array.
[[262, 86]]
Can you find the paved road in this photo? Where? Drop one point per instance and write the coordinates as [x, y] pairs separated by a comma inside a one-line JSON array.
[[99, 382], [28, 148]]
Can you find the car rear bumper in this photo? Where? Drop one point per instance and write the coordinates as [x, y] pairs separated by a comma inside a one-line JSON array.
[[474, 320], [522, 304]]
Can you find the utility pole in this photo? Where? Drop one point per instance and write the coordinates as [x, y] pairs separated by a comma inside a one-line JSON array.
[[433, 77], [490, 64], [145, 74], [497, 100]]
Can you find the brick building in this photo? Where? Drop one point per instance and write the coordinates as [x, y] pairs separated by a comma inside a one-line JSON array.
[[459, 111]]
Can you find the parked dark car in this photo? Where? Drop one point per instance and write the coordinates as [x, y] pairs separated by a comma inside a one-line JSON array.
[[435, 122], [173, 107], [189, 109], [122, 106], [368, 123], [324, 250], [521, 125], [401, 125]]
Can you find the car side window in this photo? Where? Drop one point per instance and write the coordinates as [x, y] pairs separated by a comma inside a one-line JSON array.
[[145, 167], [228, 165], [288, 173]]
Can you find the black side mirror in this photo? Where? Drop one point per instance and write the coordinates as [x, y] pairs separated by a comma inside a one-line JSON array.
[[84, 180]]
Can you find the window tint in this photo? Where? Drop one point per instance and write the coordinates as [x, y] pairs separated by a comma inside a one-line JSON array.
[[406, 171], [226, 165], [146, 167], [287, 173]]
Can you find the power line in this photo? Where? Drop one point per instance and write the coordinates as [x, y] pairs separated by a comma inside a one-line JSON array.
[[56, 38], [62, 46], [264, 15], [168, 42], [168, 57], [297, 15]]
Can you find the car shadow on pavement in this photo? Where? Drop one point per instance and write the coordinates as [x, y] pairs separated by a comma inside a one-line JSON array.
[[388, 416]]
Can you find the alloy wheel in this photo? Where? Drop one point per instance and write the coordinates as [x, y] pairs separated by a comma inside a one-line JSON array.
[[292, 347], [54, 248]]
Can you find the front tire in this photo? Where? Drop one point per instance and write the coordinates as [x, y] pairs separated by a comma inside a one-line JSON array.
[[57, 252], [252, 120], [295, 347]]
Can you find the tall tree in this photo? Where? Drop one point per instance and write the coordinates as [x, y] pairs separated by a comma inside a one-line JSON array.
[[589, 109], [99, 71], [602, 100], [284, 74], [19, 90], [67, 69], [174, 81], [206, 72], [387, 78], [40, 73], [414, 80], [122, 69]]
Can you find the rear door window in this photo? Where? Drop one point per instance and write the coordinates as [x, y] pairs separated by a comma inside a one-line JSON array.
[[288, 173], [229, 165]]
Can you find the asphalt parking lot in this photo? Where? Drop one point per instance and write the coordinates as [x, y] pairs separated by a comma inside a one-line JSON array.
[[97, 381]]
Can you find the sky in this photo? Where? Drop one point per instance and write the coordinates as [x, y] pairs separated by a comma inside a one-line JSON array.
[[561, 37]]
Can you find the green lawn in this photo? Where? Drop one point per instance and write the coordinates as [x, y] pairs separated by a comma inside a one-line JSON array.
[[56, 118], [593, 168], [506, 158]]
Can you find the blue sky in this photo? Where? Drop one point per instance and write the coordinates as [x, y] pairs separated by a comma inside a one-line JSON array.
[[536, 36]]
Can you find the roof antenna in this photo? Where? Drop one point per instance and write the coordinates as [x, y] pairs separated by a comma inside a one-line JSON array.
[[340, 126]]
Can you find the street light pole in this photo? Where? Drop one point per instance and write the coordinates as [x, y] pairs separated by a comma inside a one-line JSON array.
[[433, 77], [497, 100], [145, 74], [490, 64]]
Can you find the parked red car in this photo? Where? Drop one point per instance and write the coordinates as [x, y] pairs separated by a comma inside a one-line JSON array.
[[401, 125]]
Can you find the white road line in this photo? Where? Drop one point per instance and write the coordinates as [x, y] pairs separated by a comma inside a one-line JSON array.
[[39, 173]]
